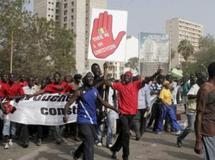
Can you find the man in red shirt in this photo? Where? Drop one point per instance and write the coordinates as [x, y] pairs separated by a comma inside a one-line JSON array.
[[3, 82], [23, 81], [11, 90], [57, 87], [128, 98]]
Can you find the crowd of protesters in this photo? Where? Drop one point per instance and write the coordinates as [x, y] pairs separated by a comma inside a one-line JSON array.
[[109, 107]]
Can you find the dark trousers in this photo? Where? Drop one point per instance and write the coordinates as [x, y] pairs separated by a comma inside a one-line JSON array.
[[24, 132], [124, 135], [88, 135], [1, 128], [154, 116], [139, 123], [142, 121], [71, 129]]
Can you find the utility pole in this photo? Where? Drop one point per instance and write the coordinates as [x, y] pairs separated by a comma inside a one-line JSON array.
[[11, 54]]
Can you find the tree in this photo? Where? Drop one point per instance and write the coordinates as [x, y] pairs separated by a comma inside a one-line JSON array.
[[206, 42], [173, 52], [40, 46], [186, 49], [133, 62], [204, 56]]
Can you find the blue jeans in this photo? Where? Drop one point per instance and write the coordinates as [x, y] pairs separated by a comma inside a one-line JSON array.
[[9, 128], [209, 145], [167, 111], [191, 119]]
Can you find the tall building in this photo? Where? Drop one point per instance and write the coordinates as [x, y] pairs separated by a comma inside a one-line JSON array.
[[73, 15], [180, 29], [132, 47]]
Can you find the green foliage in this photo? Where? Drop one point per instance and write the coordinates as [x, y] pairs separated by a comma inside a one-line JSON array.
[[204, 56], [185, 48], [132, 62], [40, 46]]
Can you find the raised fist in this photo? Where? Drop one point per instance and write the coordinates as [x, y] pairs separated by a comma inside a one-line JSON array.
[[102, 41]]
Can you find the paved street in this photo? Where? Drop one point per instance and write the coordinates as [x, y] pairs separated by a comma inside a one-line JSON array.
[[151, 147]]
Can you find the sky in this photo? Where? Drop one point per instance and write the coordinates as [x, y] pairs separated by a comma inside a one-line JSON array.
[[151, 15]]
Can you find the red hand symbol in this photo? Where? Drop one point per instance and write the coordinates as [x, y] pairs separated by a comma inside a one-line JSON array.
[[102, 41]]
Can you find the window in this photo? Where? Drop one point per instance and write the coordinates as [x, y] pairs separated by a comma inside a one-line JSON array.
[[65, 25], [72, 10], [65, 19], [57, 4], [72, 17], [65, 5], [72, 3], [65, 12], [72, 24]]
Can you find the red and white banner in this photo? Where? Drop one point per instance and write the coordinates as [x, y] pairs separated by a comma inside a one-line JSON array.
[[108, 35]]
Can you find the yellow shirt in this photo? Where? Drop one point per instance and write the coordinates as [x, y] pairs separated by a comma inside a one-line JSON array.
[[166, 96]]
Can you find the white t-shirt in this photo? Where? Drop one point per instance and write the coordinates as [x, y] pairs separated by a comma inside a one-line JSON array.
[[32, 90], [192, 102]]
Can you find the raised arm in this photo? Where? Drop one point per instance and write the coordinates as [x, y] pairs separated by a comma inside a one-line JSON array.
[[72, 99], [148, 79], [107, 105]]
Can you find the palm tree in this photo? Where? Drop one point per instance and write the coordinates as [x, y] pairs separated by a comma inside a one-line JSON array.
[[186, 49]]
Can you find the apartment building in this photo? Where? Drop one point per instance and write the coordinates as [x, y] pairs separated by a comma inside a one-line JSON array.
[[180, 29], [73, 15]]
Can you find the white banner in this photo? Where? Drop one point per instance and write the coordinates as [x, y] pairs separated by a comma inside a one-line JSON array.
[[46, 109], [108, 35]]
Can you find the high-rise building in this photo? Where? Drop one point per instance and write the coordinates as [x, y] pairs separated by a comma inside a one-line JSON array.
[[73, 15], [180, 29]]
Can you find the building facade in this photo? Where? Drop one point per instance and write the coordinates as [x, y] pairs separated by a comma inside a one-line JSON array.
[[180, 29], [132, 47], [73, 15]]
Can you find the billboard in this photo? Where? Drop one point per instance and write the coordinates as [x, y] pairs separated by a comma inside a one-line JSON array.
[[108, 35], [154, 47]]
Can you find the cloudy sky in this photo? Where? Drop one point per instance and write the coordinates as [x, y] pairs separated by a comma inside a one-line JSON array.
[[151, 15]]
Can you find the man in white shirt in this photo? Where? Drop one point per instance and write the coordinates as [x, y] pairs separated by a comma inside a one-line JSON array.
[[144, 105], [190, 110], [30, 89]]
